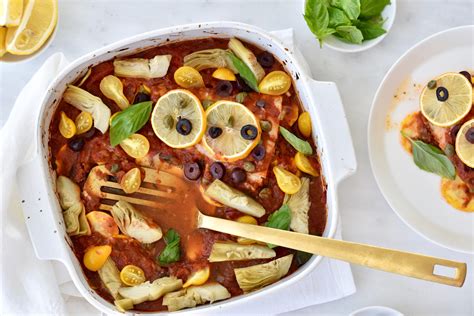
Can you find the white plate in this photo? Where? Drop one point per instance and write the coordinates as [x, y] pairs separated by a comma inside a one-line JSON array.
[[412, 193]]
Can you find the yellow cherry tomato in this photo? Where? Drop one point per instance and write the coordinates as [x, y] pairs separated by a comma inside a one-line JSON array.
[[287, 181], [102, 223], [95, 257], [247, 219], [67, 128], [136, 146], [304, 124], [275, 83], [188, 77], [113, 116], [224, 74], [132, 275], [131, 181], [303, 164], [83, 122], [198, 277]]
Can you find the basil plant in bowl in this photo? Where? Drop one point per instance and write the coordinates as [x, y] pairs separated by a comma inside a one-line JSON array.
[[349, 25]]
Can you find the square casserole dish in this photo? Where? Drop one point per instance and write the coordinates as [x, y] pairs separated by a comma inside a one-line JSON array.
[[37, 181]]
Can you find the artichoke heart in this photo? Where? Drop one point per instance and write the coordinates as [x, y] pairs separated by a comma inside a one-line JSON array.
[[132, 223], [87, 102], [195, 295], [110, 277], [247, 57], [255, 277], [209, 58], [151, 291], [225, 251], [231, 197], [299, 204], [74, 211], [157, 67]]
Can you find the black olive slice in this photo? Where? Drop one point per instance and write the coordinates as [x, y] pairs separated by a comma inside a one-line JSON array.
[[184, 126], [217, 170], [192, 171], [249, 132], [214, 131]]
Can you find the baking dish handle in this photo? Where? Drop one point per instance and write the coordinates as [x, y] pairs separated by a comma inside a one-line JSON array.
[[40, 221], [332, 119]]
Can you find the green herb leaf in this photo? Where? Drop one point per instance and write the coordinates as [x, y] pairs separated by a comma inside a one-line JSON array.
[[240, 97], [300, 145], [280, 219], [350, 7], [430, 158], [129, 121], [370, 30], [337, 17], [370, 8], [244, 72], [172, 252], [350, 34], [316, 16], [302, 257]]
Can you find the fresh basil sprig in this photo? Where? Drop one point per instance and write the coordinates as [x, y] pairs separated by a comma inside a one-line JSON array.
[[129, 121], [244, 72], [172, 252], [430, 158], [300, 145], [280, 219], [352, 21]]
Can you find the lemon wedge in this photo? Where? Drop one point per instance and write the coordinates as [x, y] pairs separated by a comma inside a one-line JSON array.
[[178, 119], [10, 12], [37, 23], [465, 143], [233, 131], [446, 99], [3, 34]]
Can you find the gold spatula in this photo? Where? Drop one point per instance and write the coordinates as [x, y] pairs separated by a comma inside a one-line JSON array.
[[160, 189]]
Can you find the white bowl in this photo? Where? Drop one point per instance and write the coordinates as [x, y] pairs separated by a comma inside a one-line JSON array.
[[376, 311], [334, 43]]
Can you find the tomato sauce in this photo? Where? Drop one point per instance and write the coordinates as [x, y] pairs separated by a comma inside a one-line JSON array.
[[195, 244]]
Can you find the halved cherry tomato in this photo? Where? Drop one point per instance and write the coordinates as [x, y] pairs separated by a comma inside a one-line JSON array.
[[83, 122], [303, 164], [95, 257], [132, 275], [188, 77], [224, 74], [198, 277], [67, 128], [136, 146], [287, 181], [275, 83], [304, 124], [102, 223], [131, 181], [247, 219]]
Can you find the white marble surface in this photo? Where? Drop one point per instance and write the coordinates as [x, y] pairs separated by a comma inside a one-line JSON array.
[[85, 25]]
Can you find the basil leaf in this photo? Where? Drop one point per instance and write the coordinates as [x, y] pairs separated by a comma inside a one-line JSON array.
[[370, 8], [300, 145], [129, 121], [349, 34], [280, 219], [244, 72], [316, 16], [350, 7], [430, 158], [172, 252], [370, 30], [337, 17]]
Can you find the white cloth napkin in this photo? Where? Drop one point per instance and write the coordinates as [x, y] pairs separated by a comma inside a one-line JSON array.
[[30, 286]]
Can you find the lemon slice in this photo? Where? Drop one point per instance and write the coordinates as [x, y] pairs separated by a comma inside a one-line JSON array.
[[447, 99], [178, 119], [228, 122], [3, 33], [37, 23], [10, 12], [465, 143]]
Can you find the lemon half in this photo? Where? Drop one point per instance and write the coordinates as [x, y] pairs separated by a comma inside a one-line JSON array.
[[447, 102]]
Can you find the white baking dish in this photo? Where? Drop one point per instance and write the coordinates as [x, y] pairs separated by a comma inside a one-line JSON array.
[[37, 182]]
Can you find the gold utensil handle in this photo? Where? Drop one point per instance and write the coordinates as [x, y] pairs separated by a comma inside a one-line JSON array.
[[395, 261]]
